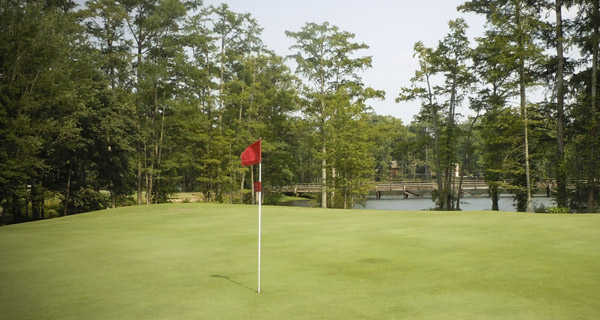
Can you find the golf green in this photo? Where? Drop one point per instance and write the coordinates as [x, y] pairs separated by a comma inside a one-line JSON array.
[[199, 261]]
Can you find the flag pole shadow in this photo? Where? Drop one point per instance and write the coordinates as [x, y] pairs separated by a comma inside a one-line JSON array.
[[237, 283]]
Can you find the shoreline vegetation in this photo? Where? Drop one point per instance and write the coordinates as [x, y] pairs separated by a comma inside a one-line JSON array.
[[52, 204]]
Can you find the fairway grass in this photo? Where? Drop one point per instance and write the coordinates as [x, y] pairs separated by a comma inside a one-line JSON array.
[[198, 261]]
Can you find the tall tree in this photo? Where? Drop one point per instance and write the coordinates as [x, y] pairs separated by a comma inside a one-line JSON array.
[[352, 163], [593, 189], [453, 53], [520, 21], [495, 87], [324, 55], [450, 61], [561, 176], [423, 89], [582, 87], [105, 21], [152, 24]]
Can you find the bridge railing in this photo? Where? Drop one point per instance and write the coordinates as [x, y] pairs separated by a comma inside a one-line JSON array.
[[413, 185], [391, 186]]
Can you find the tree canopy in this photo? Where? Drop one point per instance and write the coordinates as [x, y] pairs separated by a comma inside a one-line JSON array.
[[115, 103]]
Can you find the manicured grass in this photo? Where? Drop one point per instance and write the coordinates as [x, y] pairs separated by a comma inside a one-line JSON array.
[[198, 261]]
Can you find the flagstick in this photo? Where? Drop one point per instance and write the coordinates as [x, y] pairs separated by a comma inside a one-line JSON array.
[[259, 219]]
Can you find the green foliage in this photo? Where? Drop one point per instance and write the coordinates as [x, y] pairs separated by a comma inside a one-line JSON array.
[[557, 210], [441, 100], [388, 142], [336, 108], [151, 98], [87, 199]]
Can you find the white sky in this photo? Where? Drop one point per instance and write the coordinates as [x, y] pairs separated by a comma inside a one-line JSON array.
[[389, 27]]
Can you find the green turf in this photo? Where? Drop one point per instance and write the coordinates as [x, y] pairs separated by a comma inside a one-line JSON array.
[[198, 261]]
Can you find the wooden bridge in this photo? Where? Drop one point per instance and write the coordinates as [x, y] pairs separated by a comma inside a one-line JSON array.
[[415, 188]]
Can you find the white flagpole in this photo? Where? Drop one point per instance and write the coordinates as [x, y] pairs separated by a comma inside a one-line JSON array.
[[259, 219]]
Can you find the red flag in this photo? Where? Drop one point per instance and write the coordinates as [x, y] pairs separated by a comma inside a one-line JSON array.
[[252, 154]]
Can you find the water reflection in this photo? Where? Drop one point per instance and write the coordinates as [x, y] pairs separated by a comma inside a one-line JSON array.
[[505, 203]]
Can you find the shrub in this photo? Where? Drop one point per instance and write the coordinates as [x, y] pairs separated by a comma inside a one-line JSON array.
[[272, 198], [540, 209], [87, 199], [124, 201], [557, 210], [51, 213]]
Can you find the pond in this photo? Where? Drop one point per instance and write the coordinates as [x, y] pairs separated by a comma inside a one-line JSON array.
[[505, 203]]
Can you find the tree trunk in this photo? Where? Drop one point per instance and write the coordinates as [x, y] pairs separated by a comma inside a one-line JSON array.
[[67, 193], [427, 169], [159, 148], [222, 71], [232, 175], [494, 196], [593, 112], [465, 162], [153, 153], [333, 187], [139, 179], [37, 200], [148, 178], [139, 124], [242, 187], [324, 178], [27, 198], [222, 82], [16, 208], [447, 189], [561, 178], [436, 139], [450, 147], [527, 173], [524, 104], [113, 199], [460, 183], [438, 164]]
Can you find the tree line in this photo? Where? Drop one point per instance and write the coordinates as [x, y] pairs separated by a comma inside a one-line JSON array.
[[127, 102], [533, 110]]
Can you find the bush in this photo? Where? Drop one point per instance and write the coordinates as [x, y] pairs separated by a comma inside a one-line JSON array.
[[124, 201], [87, 199], [51, 213], [272, 198], [557, 210], [540, 209]]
